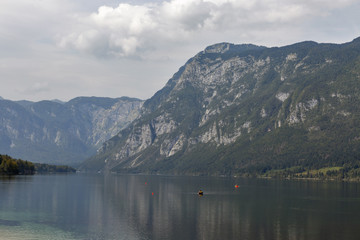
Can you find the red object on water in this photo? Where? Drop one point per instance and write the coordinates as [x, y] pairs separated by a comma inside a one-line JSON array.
[[236, 186], [145, 183], [152, 193]]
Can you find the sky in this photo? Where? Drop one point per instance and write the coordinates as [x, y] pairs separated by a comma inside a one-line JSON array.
[[62, 49]]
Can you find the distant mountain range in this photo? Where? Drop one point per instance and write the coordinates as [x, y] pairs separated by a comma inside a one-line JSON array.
[[62, 132], [246, 109]]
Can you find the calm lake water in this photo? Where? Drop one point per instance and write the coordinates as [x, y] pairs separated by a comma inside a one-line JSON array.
[[130, 207]]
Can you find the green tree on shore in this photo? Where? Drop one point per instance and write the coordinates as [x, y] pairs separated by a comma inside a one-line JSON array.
[[8, 165]]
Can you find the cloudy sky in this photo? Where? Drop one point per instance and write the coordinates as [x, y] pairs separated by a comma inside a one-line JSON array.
[[61, 49]]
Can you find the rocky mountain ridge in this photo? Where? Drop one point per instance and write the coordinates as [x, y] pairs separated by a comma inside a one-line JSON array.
[[234, 109], [57, 132]]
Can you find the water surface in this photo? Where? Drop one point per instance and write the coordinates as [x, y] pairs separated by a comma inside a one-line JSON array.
[[135, 207]]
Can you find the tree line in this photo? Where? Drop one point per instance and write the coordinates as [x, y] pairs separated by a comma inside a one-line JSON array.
[[11, 166]]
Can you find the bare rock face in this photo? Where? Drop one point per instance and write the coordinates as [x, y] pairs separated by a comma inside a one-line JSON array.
[[225, 103], [55, 132]]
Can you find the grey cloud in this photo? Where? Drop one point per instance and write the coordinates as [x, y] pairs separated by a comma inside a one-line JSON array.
[[37, 87]]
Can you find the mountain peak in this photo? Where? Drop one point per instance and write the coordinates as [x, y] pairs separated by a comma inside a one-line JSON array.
[[218, 48], [57, 101], [230, 47]]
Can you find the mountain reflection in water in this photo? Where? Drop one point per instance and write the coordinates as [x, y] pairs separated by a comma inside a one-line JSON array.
[[162, 207]]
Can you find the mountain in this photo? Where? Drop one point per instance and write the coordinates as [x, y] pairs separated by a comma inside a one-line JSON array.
[[247, 110], [62, 133]]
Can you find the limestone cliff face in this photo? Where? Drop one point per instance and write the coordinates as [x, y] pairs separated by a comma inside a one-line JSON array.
[[69, 132], [229, 95]]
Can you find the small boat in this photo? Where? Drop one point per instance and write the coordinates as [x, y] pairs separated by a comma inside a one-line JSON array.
[[200, 193]]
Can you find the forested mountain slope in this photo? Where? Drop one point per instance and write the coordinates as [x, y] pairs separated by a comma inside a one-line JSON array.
[[245, 109]]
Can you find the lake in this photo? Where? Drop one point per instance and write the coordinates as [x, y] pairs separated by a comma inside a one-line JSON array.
[[132, 207]]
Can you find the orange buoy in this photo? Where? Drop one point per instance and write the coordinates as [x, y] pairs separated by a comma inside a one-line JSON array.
[[236, 186]]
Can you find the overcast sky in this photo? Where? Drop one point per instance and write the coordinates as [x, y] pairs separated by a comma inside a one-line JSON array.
[[61, 49]]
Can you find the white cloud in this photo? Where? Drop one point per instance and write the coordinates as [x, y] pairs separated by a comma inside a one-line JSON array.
[[131, 30], [189, 15], [47, 47]]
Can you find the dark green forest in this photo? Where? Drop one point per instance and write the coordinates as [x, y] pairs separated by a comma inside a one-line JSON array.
[[11, 166], [46, 168]]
